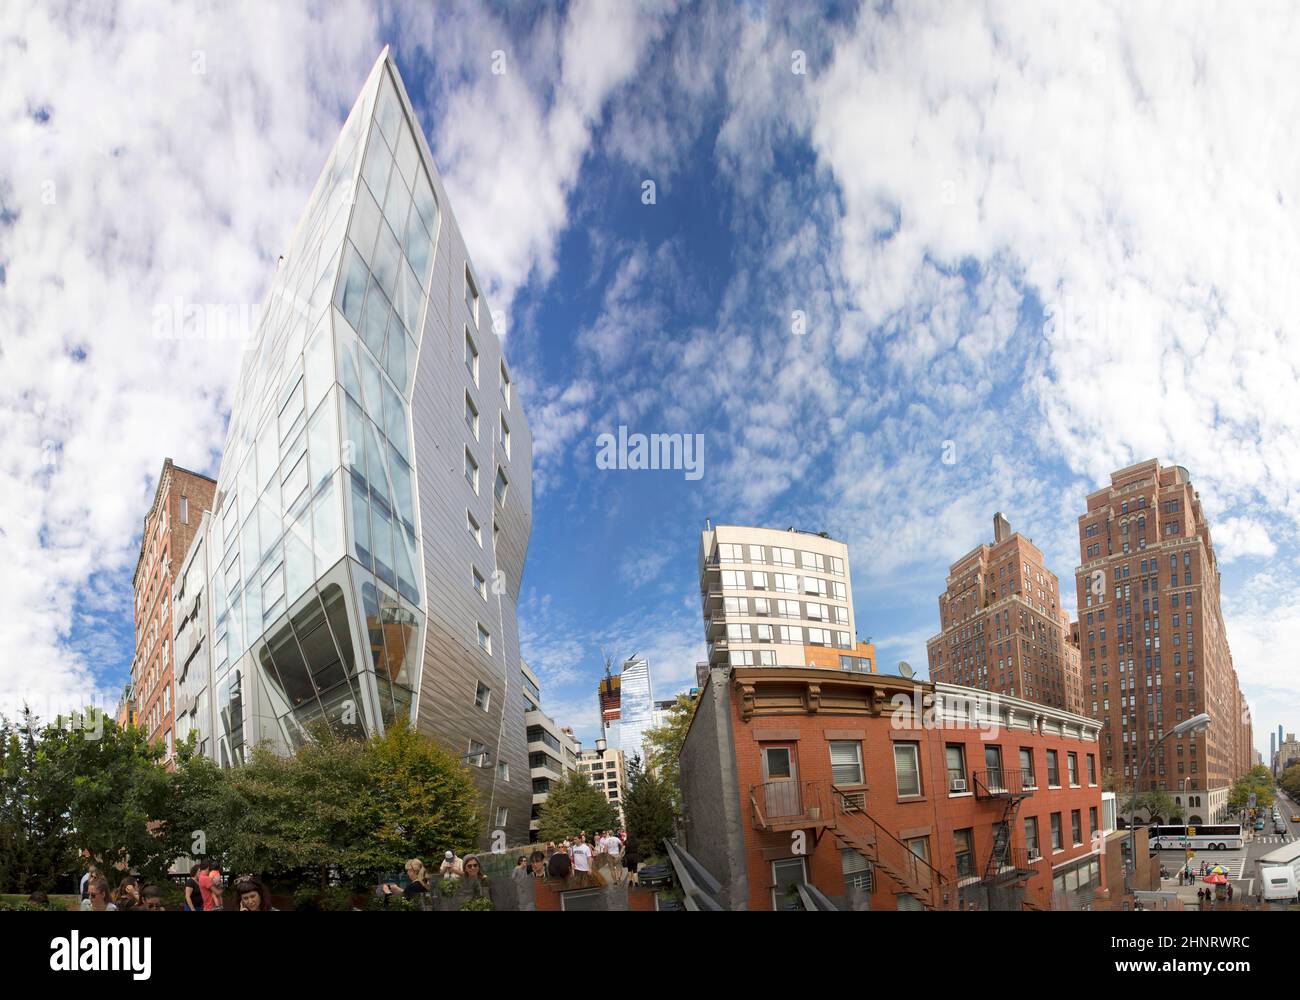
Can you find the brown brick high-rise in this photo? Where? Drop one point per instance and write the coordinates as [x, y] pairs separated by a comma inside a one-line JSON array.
[[1152, 639], [1003, 629], [169, 528]]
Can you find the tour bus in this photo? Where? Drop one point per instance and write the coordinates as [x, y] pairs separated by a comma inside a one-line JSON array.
[[1203, 836]]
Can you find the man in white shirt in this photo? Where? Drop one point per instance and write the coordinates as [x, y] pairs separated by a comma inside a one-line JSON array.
[[611, 845], [582, 855]]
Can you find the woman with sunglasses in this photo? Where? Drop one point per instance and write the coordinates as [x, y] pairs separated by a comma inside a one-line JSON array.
[[97, 897]]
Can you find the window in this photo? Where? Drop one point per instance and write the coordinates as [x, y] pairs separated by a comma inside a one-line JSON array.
[[1031, 835], [1057, 844], [1076, 827], [484, 640], [963, 842], [471, 416], [920, 846], [1092, 821], [505, 384], [482, 696], [480, 585], [786, 874], [502, 813], [474, 529], [1027, 768], [846, 762], [503, 771], [1072, 766], [955, 754], [471, 295], [185, 510], [477, 753], [501, 486], [1092, 766], [471, 471], [505, 437], [856, 869], [907, 768], [1053, 770], [471, 356]]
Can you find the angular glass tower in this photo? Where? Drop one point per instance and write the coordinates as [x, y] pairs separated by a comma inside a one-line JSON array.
[[637, 709], [374, 502]]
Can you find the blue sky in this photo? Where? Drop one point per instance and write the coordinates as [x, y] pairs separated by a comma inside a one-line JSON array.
[[999, 222]]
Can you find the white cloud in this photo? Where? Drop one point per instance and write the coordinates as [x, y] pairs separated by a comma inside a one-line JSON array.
[[1241, 537]]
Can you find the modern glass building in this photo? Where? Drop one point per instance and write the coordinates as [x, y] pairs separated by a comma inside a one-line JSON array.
[[374, 501], [637, 708]]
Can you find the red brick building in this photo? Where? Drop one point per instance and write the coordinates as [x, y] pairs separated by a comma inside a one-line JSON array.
[[866, 787], [1002, 625], [169, 528], [1154, 646]]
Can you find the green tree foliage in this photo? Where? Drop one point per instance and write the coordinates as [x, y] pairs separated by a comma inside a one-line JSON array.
[[1258, 780], [572, 806], [344, 809], [664, 744], [1290, 781], [35, 847], [1153, 803], [648, 807]]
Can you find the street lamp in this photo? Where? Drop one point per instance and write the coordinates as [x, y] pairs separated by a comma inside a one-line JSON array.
[[1193, 725]]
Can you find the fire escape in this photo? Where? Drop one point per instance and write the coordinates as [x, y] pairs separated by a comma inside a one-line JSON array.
[[1010, 788]]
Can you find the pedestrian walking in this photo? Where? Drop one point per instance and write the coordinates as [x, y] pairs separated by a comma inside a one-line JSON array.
[[193, 894], [90, 873], [630, 856], [1229, 892], [151, 898], [559, 865], [582, 856]]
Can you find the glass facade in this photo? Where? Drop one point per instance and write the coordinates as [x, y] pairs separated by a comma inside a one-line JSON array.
[[318, 461], [636, 716]]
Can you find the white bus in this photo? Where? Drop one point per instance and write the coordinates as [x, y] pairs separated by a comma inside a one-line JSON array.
[[1204, 836]]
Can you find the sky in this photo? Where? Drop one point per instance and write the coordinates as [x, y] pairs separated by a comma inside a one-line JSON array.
[[840, 243]]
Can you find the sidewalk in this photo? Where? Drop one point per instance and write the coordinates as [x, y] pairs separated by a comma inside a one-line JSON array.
[[1187, 892]]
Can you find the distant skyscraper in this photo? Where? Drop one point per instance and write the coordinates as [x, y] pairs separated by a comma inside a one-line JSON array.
[[1153, 641], [610, 698], [637, 711], [1003, 628]]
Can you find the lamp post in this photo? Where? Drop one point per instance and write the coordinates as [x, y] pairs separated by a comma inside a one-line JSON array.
[[1193, 725]]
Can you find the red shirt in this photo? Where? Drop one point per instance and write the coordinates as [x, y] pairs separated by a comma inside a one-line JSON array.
[[205, 886]]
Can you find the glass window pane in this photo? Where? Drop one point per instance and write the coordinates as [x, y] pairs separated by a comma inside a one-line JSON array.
[[360, 517], [298, 569], [403, 502], [268, 453], [269, 525], [388, 255], [375, 320], [381, 536], [349, 376], [407, 156], [365, 222], [252, 608], [409, 298], [388, 112], [376, 453], [319, 366], [291, 668], [354, 442], [419, 247], [327, 527], [397, 204], [407, 561], [352, 289], [395, 419], [377, 166], [336, 610], [426, 203], [395, 355], [323, 445]]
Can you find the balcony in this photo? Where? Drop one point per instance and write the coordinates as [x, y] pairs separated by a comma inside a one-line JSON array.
[[1017, 863], [780, 806], [1002, 783]]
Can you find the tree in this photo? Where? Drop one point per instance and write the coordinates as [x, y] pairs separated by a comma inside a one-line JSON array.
[[343, 809], [648, 808], [35, 846], [1259, 781], [1153, 803], [574, 805], [1290, 781], [665, 742]]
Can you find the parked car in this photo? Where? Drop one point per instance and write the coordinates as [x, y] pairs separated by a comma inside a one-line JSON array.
[[1259, 824]]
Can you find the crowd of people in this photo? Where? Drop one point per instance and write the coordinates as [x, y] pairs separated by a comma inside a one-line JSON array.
[[204, 890]]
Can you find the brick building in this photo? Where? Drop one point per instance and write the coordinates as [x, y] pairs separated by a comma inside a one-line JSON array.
[[1149, 578], [1002, 625], [169, 528], [888, 793]]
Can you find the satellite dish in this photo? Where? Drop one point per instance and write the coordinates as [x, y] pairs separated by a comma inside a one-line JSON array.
[[906, 670]]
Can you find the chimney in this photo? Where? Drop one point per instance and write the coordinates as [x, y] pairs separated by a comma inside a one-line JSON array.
[[1001, 528]]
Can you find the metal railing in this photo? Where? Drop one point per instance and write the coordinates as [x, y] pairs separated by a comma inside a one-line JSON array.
[[1001, 782], [787, 803], [889, 853]]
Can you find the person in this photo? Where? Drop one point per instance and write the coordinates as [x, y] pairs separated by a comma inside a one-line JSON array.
[[216, 889], [559, 865], [1229, 892], [39, 898], [128, 893], [97, 895], [582, 856], [612, 845], [193, 894], [473, 883], [452, 866], [252, 894], [538, 864], [417, 880], [151, 898], [630, 856], [91, 872], [1200, 897], [207, 872]]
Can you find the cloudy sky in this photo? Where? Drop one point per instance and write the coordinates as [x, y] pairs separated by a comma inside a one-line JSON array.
[[1062, 237]]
